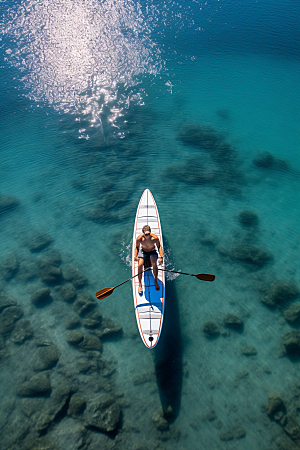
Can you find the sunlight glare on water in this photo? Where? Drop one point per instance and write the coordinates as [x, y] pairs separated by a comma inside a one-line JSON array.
[[80, 56], [198, 102]]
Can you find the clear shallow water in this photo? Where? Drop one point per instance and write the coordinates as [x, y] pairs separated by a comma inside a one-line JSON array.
[[77, 144]]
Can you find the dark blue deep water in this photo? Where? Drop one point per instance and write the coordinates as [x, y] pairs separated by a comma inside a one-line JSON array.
[[199, 102]]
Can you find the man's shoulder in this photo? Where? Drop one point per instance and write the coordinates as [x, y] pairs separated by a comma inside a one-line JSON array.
[[154, 236], [139, 237]]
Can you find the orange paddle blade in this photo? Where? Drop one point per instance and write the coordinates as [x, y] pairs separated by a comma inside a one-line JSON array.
[[205, 276], [105, 292]]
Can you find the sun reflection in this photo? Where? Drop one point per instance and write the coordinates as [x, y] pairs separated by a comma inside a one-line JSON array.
[[81, 56]]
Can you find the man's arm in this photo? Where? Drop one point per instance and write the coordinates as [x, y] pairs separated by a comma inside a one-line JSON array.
[[159, 247], [137, 247]]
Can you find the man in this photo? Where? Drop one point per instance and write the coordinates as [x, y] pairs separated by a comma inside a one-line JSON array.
[[145, 246]]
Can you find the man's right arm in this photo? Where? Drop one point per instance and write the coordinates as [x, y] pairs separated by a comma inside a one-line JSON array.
[[137, 247]]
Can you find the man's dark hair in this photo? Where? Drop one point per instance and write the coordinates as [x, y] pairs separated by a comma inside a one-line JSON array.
[[146, 228]]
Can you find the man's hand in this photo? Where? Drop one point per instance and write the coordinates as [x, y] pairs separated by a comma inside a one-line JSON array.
[[160, 260], [136, 258]]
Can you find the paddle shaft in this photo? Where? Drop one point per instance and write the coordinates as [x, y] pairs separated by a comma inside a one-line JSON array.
[[131, 278], [181, 273], [184, 273], [105, 292]]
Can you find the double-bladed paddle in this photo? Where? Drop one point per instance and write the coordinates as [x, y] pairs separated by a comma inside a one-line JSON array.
[[105, 292]]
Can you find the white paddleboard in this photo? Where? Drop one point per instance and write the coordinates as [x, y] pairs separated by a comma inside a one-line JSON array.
[[149, 306]]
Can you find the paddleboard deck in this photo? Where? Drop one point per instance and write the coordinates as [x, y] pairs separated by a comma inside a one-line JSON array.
[[149, 306]]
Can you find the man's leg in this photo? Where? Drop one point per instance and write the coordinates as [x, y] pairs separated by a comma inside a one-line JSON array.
[[153, 260], [140, 271]]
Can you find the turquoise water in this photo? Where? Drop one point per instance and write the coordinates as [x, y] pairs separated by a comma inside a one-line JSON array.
[[100, 101]]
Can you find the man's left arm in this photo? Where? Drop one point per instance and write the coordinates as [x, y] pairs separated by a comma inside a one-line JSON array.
[[159, 248]]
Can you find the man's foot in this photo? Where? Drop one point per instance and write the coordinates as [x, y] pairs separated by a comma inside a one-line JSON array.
[[157, 286], [140, 289]]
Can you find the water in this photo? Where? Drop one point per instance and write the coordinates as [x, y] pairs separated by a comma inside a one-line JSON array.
[[100, 100]]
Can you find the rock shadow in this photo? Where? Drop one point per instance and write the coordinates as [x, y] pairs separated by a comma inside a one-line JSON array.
[[168, 357]]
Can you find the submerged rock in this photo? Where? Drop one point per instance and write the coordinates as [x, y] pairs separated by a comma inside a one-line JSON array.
[[233, 321], [211, 329], [43, 422], [49, 269], [219, 169], [99, 214], [160, 421], [90, 342], [226, 435], [37, 385], [211, 415], [8, 202], [9, 317], [291, 342], [55, 407], [264, 160], [51, 274], [108, 209], [248, 219], [22, 331], [292, 314], [108, 328], [249, 350], [87, 366], [275, 404], [6, 301], [280, 293], [67, 292], [47, 357], [73, 322], [51, 257], [39, 242], [9, 266], [192, 171], [74, 276], [208, 139], [103, 412], [267, 161], [73, 435], [291, 427], [92, 319], [74, 337], [76, 405], [239, 433], [255, 256], [199, 136], [30, 405], [84, 304], [284, 291], [41, 297]]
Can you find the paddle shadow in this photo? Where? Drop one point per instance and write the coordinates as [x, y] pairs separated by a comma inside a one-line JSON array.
[[168, 357]]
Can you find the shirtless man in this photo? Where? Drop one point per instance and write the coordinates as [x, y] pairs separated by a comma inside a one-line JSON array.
[[148, 241]]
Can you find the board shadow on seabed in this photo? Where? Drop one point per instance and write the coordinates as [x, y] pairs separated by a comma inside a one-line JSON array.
[[168, 357]]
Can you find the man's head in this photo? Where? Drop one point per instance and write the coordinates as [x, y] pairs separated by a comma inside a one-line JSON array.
[[146, 230]]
